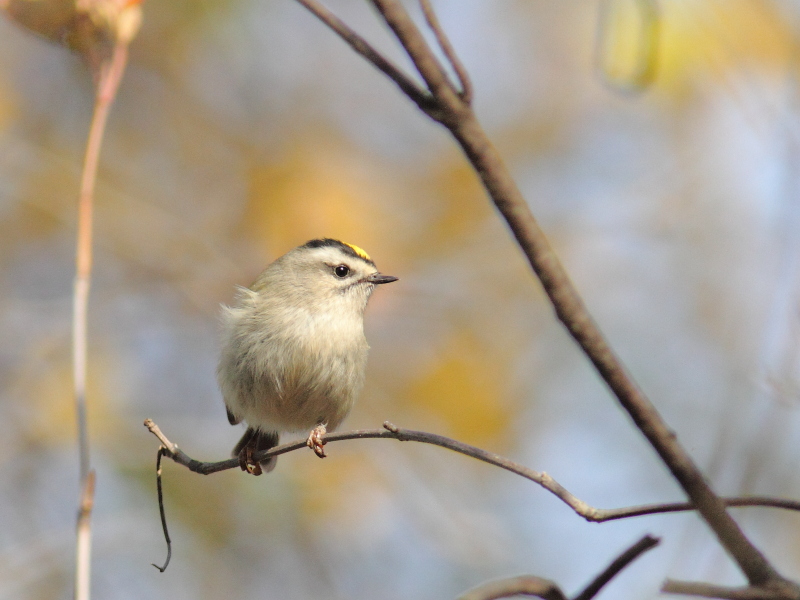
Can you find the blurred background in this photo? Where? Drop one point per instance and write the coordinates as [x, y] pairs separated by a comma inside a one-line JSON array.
[[244, 128]]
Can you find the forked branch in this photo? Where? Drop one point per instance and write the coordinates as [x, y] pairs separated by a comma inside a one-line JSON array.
[[449, 51], [528, 585], [421, 97], [623, 560]]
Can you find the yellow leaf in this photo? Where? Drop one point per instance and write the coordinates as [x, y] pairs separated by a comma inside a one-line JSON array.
[[627, 45]]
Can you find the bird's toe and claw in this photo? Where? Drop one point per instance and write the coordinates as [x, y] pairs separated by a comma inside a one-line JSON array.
[[246, 461], [316, 440]]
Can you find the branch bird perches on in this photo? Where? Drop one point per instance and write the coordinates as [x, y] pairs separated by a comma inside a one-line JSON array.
[[391, 431]]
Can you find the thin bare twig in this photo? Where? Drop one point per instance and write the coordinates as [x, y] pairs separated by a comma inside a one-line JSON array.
[[161, 451], [648, 542], [613, 514], [524, 585], [172, 449], [458, 117], [391, 431], [449, 52], [706, 590]]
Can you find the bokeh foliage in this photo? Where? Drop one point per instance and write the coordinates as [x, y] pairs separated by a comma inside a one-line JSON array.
[[244, 128]]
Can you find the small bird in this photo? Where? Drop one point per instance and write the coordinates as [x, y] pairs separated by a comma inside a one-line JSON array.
[[293, 347]]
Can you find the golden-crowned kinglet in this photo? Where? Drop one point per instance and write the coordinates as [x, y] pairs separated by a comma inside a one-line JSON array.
[[293, 346]]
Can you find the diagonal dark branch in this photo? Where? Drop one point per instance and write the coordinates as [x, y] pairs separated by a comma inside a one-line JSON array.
[[458, 117], [623, 560], [362, 47], [572, 312], [390, 431], [449, 52]]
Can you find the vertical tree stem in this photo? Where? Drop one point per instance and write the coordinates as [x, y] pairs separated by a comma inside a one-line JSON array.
[[83, 548], [107, 81]]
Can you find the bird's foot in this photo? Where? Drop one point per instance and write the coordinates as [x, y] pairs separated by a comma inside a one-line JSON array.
[[246, 461], [315, 441]]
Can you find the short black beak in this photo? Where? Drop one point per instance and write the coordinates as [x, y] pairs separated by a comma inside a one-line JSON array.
[[378, 278]]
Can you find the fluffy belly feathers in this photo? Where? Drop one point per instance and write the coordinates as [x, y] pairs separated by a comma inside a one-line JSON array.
[[294, 384]]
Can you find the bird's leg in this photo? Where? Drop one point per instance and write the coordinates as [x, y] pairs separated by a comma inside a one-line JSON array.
[[246, 461], [315, 441]]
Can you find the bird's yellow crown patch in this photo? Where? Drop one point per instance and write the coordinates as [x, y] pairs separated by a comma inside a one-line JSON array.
[[359, 251], [331, 243]]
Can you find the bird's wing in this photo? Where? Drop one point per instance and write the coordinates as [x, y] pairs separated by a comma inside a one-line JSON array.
[[231, 418]]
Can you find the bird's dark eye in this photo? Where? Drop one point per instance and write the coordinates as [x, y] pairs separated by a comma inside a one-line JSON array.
[[342, 271]]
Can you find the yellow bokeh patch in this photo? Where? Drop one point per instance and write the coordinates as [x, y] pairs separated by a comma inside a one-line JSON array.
[[715, 37], [313, 190], [49, 404], [465, 389]]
